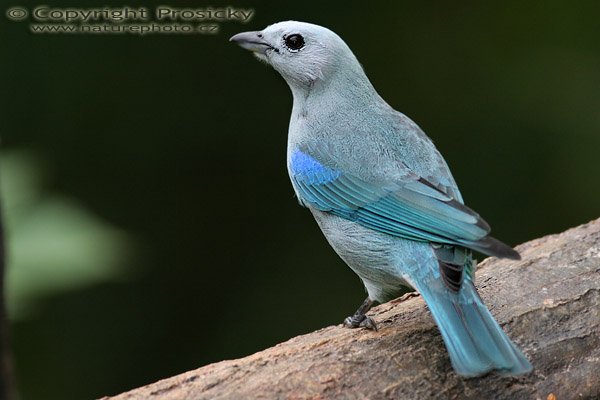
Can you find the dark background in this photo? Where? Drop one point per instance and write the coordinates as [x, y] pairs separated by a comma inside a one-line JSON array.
[[175, 145]]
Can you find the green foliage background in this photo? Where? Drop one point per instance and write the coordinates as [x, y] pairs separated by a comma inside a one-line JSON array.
[[152, 228]]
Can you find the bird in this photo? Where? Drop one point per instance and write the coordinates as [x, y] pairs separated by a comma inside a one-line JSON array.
[[383, 195]]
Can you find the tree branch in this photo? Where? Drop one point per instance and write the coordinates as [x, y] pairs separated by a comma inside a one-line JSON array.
[[548, 303]]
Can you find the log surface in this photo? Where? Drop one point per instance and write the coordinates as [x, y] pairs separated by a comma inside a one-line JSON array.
[[548, 303]]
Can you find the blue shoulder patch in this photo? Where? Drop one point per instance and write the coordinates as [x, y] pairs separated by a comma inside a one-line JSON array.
[[309, 170]]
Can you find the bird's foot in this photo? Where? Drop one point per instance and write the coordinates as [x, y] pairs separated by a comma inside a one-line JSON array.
[[360, 321]]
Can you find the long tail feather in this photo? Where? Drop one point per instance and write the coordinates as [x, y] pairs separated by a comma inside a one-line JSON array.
[[475, 342]]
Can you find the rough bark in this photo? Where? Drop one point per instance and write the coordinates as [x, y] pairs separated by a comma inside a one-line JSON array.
[[548, 303]]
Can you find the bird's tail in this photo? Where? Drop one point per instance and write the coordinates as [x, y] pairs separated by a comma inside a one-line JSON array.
[[475, 342]]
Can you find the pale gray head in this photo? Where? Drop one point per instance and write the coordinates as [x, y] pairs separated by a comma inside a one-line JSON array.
[[302, 53]]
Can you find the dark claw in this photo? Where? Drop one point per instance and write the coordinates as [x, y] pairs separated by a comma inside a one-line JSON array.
[[369, 323], [351, 322], [360, 321]]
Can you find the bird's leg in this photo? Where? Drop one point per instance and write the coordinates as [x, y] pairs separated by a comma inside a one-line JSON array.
[[360, 319]]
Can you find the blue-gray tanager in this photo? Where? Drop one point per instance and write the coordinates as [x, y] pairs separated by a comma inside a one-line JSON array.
[[383, 195]]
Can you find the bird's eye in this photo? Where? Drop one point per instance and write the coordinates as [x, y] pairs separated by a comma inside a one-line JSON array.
[[294, 42]]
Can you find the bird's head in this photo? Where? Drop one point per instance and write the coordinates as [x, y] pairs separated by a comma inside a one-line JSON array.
[[301, 52]]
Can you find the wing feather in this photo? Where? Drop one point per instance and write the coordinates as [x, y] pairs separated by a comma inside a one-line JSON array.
[[412, 208]]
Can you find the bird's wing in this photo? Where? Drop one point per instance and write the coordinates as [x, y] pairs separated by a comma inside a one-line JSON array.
[[412, 208]]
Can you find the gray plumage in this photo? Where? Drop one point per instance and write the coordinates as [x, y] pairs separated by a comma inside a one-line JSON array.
[[382, 194]]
